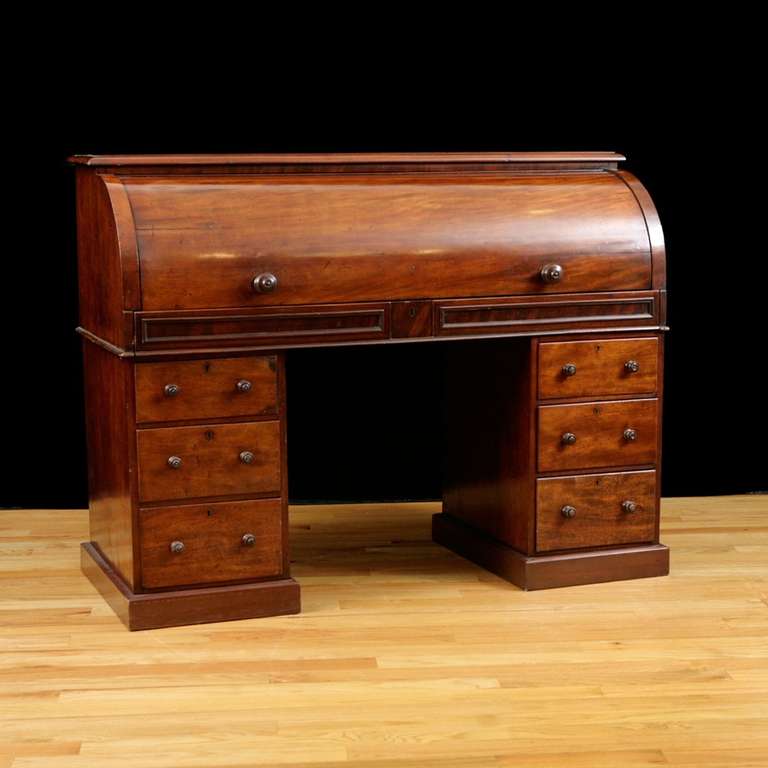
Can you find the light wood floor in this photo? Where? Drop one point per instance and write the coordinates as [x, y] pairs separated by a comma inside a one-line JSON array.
[[405, 655]]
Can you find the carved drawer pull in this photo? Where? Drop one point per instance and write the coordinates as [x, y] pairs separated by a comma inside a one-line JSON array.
[[177, 547], [248, 540], [568, 438], [174, 462], [632, 366], [630, 434], [171, 390], [569, 369], [568, 511], [629, 506], [243, 385], [247, 457]]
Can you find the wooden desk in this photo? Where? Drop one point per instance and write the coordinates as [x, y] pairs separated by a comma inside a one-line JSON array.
[[199, 274]]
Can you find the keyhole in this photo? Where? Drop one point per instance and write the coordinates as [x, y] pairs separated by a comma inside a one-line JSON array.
[[412, 313], [209, 434]]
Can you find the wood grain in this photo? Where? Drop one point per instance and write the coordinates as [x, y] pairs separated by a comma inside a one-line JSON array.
[[599, 430], [599, 519], [212, 538], [405, 655], [358, 239], [211, 465], [600, 368], [207, 389]]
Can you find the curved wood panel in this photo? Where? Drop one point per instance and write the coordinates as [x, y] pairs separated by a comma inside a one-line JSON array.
[[203, 240]]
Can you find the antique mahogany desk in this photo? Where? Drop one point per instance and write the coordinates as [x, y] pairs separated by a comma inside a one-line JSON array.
[[199, 274]]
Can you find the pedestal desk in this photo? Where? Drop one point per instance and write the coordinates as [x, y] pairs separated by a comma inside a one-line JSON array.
[[541, 274]]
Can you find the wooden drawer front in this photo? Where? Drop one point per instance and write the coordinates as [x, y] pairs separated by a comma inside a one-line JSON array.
[[595, 510], [206, 389], [208, 543], [600, 367], [599, 429], [362, 238], [211, 463]]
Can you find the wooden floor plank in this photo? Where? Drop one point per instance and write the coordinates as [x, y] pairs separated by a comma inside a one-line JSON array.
[[404, 655]]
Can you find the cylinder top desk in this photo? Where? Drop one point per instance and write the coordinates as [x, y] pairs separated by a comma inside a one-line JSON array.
[[542, 275]]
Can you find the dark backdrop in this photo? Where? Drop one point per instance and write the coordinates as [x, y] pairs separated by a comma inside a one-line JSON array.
[[376, 408]]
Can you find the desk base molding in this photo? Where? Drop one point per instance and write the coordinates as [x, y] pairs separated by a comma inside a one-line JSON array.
[[545, 572], [189, 606]]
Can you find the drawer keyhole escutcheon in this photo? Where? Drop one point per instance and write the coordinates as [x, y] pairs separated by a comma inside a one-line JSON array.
[[632, 366], [247, 457], [171, 390], [264, 283], [568, 511], [630, 434], [174, 462], [569, 369], [568, 438], [248, 540], [629, 506], [551, 273], [243, 385], [177, 547]]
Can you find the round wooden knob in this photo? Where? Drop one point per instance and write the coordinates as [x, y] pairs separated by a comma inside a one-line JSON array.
[[171, 390], [551, 273], [569, 369], [568, 511], [629, 506], [177, 547], [632, 366], [568, 438], [174, 462], [243, 385], [630, 434], [247, 457], [248, 539], [264, 283]]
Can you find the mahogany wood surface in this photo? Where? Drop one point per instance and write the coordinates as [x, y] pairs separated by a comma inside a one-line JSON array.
[[212, 536], [207, 389], [600, 368], [599, 519], [111, 456], [202, 241], [173, 608], [554, 570], [599, 429], [211, 464]]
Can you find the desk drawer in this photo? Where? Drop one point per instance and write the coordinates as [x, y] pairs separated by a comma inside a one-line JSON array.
[[600, 434], [600, 367], [206, 389], [209, 543], [595, 510], [209, 460]]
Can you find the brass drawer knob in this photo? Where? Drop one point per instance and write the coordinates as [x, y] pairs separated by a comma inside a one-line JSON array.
[[632, 366], [569, 369], [177, 547], [629, 506], [551, 273], [171, 390], [264, 283], [174, 462], [248, 540], [247, 457], [630, 434], [243, 385], [568, 511], [568, 438]]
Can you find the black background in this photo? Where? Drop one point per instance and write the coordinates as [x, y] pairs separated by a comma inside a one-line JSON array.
[[687, 139]]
